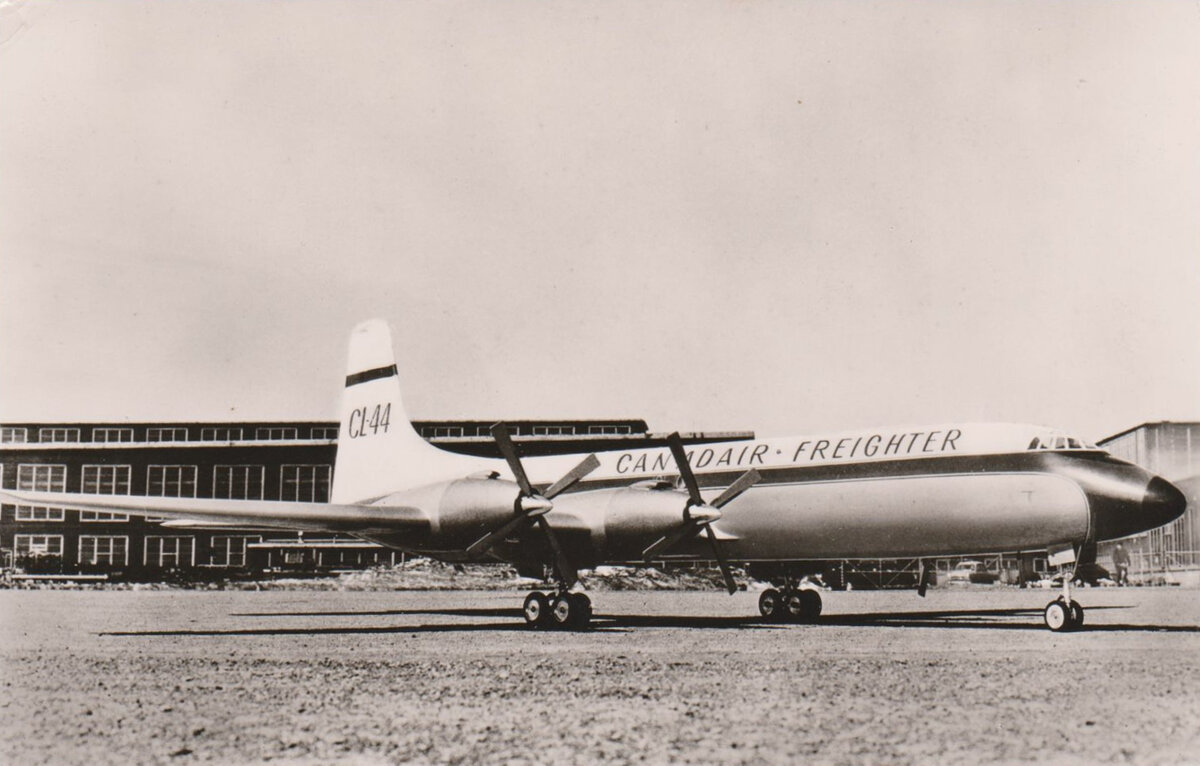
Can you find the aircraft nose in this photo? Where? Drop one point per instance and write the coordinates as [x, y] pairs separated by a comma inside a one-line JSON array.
[[1163, 502]]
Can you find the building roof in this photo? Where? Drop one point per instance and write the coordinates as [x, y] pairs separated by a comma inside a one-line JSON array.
[[1146, 426]]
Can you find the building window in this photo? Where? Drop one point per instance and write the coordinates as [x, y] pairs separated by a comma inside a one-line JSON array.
[[325, 432], [222, 434], [170, 552], [275, 433], [238, 482], [96, 550], [42, 478], [102, 516], [11, 435], [166, 434], [307, 483], [105, 480], [58, 434], [112, 434], [171, 480], [37, 513], [37, 545], [230, 550], [607, 430]]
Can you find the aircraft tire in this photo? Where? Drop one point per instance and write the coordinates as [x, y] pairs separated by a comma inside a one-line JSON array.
[[563, 611], [581, 609], [536, 610], [1057, 616], [811, 605], [794, 606], [770, 605], [1076, 615]]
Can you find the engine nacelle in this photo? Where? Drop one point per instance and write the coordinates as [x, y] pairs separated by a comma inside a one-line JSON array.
[[621, 521], [460, 511]]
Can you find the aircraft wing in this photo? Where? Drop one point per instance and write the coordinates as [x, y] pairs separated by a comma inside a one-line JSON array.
[[259, 513]]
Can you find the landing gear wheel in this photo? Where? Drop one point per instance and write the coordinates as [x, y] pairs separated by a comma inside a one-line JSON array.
[[810, 601], [581, 607], [565, 611], [536, 609], [1076, 615], [1058, 616], [770, 605], [794, 607]]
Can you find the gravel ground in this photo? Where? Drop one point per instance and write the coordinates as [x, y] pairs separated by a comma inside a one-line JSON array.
[[963, 676]]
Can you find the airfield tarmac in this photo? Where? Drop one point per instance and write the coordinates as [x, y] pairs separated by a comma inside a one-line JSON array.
[[963, 676]]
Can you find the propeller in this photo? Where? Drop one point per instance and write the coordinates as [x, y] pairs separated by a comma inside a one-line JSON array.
[[698, 513], [532, 506]]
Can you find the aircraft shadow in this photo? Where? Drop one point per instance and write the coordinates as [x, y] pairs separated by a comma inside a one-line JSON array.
[[452, 612], [986, 619], [991, 619], [601, 621]]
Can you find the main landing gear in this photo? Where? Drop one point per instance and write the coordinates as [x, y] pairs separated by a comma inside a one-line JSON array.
[[562, 611], [790, 604]]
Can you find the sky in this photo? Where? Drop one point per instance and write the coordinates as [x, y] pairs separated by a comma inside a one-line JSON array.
[[788, 217]]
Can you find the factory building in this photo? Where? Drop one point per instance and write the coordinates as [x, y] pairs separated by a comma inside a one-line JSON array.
[[1171, 450], [249, 460]]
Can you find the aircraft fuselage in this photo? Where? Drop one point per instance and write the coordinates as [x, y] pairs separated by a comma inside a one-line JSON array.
[[937, 491]]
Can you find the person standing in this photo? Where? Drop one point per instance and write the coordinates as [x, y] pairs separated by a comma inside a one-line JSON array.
[[1120, 559]]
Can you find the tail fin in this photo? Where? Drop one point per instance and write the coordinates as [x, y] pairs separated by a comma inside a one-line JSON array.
[[378, 451]]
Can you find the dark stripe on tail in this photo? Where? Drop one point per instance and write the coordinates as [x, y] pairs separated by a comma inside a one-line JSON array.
[[368, 375]]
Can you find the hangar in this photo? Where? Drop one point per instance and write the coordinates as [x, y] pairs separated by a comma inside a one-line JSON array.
[[1171, 450], [245, 460]]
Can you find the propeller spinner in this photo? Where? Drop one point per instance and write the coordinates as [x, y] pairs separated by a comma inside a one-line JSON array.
[[697, 513]]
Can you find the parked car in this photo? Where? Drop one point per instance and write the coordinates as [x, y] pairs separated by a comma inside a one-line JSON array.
[[972, 572]]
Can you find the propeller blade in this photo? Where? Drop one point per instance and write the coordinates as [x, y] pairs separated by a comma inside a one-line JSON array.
[[565, 571], [667, 542], [509, 451], [743, 483], [685, 469], [730, 585], [589, 464], [486, 542]]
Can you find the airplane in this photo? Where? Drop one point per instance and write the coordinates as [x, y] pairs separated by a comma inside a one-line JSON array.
[[921, 492]]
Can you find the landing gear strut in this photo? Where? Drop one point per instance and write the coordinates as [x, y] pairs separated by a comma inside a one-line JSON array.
[[791, 604], [564, 611], [1064, 613]]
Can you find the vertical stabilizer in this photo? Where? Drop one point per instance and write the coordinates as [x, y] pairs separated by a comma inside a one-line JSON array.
[[378, 451]]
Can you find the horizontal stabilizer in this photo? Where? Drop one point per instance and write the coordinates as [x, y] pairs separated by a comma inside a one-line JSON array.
[[263, 513]]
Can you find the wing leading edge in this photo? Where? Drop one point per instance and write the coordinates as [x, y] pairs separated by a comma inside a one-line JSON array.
[[259, 513]]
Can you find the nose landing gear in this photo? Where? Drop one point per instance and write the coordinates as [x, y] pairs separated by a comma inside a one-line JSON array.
[[1064, 613]]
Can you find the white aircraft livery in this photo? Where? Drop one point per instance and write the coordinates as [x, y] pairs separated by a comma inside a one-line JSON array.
[[913, 492]]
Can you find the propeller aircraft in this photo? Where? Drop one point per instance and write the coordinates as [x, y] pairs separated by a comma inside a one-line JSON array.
[[962, 489]]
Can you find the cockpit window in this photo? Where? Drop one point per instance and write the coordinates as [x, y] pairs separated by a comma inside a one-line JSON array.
[[1059, 442]]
